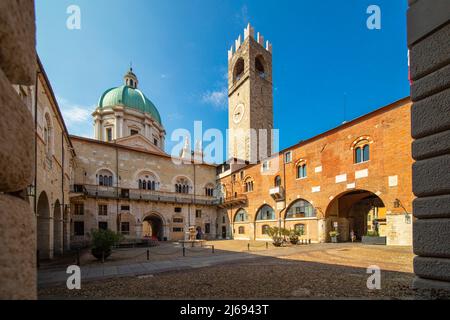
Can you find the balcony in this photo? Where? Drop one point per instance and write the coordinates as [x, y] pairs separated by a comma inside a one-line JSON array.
[[141, 195], [231, 202], [277, 193]]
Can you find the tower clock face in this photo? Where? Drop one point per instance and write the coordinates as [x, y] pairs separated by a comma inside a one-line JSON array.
[[238, 113]]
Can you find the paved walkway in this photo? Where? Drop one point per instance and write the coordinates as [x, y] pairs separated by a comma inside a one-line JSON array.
[[97, 272]]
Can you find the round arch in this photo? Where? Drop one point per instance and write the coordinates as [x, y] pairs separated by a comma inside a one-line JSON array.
[[300, 208], [153, 226], [44, 227], [265, 212], [238, 69], [357, 212]]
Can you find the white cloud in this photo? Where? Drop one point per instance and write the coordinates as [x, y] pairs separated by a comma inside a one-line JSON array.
[[217, 98], [73, 113]]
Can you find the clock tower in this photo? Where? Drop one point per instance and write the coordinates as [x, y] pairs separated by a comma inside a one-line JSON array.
[[250, 98]]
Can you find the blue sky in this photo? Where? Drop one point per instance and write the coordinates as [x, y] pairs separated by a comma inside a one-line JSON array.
[[323, 55]]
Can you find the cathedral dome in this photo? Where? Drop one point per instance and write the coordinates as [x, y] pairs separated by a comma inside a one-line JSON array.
[[129, 96]]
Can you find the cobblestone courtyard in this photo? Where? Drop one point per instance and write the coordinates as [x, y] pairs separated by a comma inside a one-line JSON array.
[[313, 271]]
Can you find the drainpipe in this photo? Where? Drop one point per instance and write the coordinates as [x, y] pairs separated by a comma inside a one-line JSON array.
[[35, 139]]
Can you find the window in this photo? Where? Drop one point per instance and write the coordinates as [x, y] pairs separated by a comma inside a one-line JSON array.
[[103, 225], [362, 151], [278, 181], [300, 228], [241, 216], [265, 229], [183, 185], [288, 157], [198, 214], [48, 135], [178, 220], [134, 132], [79, 209], [125, 193], [241, 230], [301, 171], [209, 190], [265, 213], [155, 141], [233, 178], [207, 228], [102, 210], [177, 230], [109, 134], [78, 227], [248, 186], [259, 66], [242, 175], [265, 166], [105, 178], [238, 70], [300, 209], [125, 228], [148, 181], [177, 210], [125, 208], [223, 219]]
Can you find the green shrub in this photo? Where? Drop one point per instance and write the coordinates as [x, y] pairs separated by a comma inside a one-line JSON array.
[[104, 240], [372, 234]]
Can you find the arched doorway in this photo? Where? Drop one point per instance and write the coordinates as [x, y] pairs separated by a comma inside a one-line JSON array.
[[57, 229], [360, 211], [153, 227], [44, 227]]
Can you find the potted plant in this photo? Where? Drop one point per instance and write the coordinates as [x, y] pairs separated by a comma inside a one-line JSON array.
[[334, 236], [102, 242], [277, 235], [294, 236]]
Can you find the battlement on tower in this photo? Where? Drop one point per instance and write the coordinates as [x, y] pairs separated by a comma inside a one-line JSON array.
[[249, 31]]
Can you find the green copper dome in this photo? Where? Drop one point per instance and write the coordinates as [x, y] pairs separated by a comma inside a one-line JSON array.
[[130, 97]]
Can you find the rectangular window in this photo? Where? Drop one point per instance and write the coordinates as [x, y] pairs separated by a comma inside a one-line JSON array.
[[102, 210], [155, 141], [288, 157], [125, 228], [178, 220], [177, 229], [103, 225], [78, 227], [198, 214], [265, 166], [125, 193], [177, 210], [133, 132], [207, 228], [79, 209], [125, 208], [242, 175], [108, 134]]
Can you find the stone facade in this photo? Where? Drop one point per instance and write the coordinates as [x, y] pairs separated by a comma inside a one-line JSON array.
[[168, 211], [250, 98], [334, 188], [428, 41]]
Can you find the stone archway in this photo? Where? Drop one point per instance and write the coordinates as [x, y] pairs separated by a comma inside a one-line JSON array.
[[153, 227], [44, 228], [360, 211], [57, 229]]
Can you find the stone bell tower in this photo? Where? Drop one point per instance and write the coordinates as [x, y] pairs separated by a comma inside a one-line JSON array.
[[250, 97]]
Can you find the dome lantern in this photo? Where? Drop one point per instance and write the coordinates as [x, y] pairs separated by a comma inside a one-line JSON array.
[[131, 79]]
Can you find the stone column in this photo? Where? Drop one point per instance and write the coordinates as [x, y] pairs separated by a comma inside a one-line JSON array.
[[18, 66], [428, 41]]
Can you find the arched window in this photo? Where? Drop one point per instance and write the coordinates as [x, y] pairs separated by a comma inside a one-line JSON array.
[[241, 216], [209, 190], [362, 151], [300, 209], [148, 181], [302, 171], [265, 213], [278, 181], [259, 67], [183, 185], [248, 186], [238, 70], [300, 228], [265, 229], [105, 178]]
